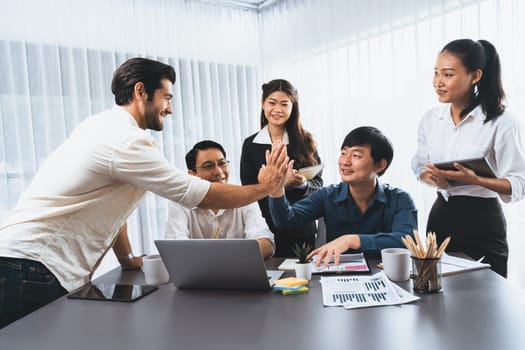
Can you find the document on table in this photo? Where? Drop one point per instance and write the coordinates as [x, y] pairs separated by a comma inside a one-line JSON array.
[[451, 265], [353, 292], [348, 263]]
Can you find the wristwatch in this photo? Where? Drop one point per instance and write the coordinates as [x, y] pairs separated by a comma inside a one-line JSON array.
[[126, 259]]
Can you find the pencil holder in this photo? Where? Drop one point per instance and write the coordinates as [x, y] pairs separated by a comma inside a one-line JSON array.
[[427, 275]]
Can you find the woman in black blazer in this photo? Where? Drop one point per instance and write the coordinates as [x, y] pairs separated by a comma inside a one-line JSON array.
[[280, 120]]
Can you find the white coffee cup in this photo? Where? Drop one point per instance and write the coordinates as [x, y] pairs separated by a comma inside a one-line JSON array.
[[154, 270], [396, 263]]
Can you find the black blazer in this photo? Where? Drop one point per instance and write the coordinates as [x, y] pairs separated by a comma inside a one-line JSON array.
[[252, 158]]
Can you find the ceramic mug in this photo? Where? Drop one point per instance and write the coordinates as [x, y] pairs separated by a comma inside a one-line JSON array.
[[154, 270], [396, 263]]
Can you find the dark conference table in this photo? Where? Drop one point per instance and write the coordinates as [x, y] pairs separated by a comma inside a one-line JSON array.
[[476, 310]]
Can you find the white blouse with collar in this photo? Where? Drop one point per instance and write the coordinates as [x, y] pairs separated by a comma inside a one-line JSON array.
[[500, 140]]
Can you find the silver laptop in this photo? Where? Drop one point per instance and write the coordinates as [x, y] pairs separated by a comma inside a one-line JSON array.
[[216, 264]]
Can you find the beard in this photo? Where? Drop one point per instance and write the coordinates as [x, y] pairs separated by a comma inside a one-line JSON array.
[[154, 120]]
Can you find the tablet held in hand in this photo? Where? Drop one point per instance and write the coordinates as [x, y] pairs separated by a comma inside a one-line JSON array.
[[480, 166]]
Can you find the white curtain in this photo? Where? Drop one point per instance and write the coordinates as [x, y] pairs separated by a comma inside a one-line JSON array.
[[371, 63], [57, 60], [355, 62]]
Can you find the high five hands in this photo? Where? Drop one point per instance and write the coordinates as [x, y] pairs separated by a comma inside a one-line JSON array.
[[277, 170]]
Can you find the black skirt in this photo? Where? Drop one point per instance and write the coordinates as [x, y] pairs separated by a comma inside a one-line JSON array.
[[477, 228]]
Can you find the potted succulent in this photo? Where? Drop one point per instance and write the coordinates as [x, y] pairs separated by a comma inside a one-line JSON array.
[[303, 266]]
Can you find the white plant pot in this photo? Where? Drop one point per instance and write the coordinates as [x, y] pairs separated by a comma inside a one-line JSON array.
[[303, 270]]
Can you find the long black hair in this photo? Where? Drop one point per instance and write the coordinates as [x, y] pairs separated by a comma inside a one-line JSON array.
[[299, 139], [488, 92]]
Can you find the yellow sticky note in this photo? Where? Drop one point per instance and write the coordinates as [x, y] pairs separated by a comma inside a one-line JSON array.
[[290, 282]]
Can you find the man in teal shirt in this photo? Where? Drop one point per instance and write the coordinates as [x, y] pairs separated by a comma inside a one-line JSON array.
[[360, 213]]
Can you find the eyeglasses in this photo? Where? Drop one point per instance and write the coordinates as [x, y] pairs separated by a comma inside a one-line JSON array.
[[209, 166]]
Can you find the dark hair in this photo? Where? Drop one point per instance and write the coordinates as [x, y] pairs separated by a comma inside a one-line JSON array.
[[380, 145], [191, 156], [488, 91], [137, 69], [299, 139]]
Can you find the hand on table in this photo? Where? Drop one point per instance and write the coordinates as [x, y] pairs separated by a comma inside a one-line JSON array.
[[335, 248]]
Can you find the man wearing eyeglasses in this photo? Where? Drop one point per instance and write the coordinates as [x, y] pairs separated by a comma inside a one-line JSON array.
[[207, 160], [77, 204]]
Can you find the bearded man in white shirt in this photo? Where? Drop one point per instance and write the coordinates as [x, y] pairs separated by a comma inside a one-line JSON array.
[[207, 160], [73, 210]]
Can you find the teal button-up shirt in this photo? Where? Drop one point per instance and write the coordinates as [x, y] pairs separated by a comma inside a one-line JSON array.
[[390, 215]]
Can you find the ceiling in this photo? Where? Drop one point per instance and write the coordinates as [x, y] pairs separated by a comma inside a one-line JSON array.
[[246, 4]]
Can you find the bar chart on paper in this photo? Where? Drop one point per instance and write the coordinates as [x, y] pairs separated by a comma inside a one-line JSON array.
[[363, 291], [345, 298]]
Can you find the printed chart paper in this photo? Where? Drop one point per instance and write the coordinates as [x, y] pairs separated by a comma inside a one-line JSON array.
[[363, 291]]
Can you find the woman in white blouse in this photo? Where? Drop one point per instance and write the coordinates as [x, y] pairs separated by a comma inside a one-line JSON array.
[[472, 123]]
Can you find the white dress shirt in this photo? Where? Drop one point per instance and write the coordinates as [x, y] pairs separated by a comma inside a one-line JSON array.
[[263, 137], [71, 212], [500, 140], [243, 222]]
